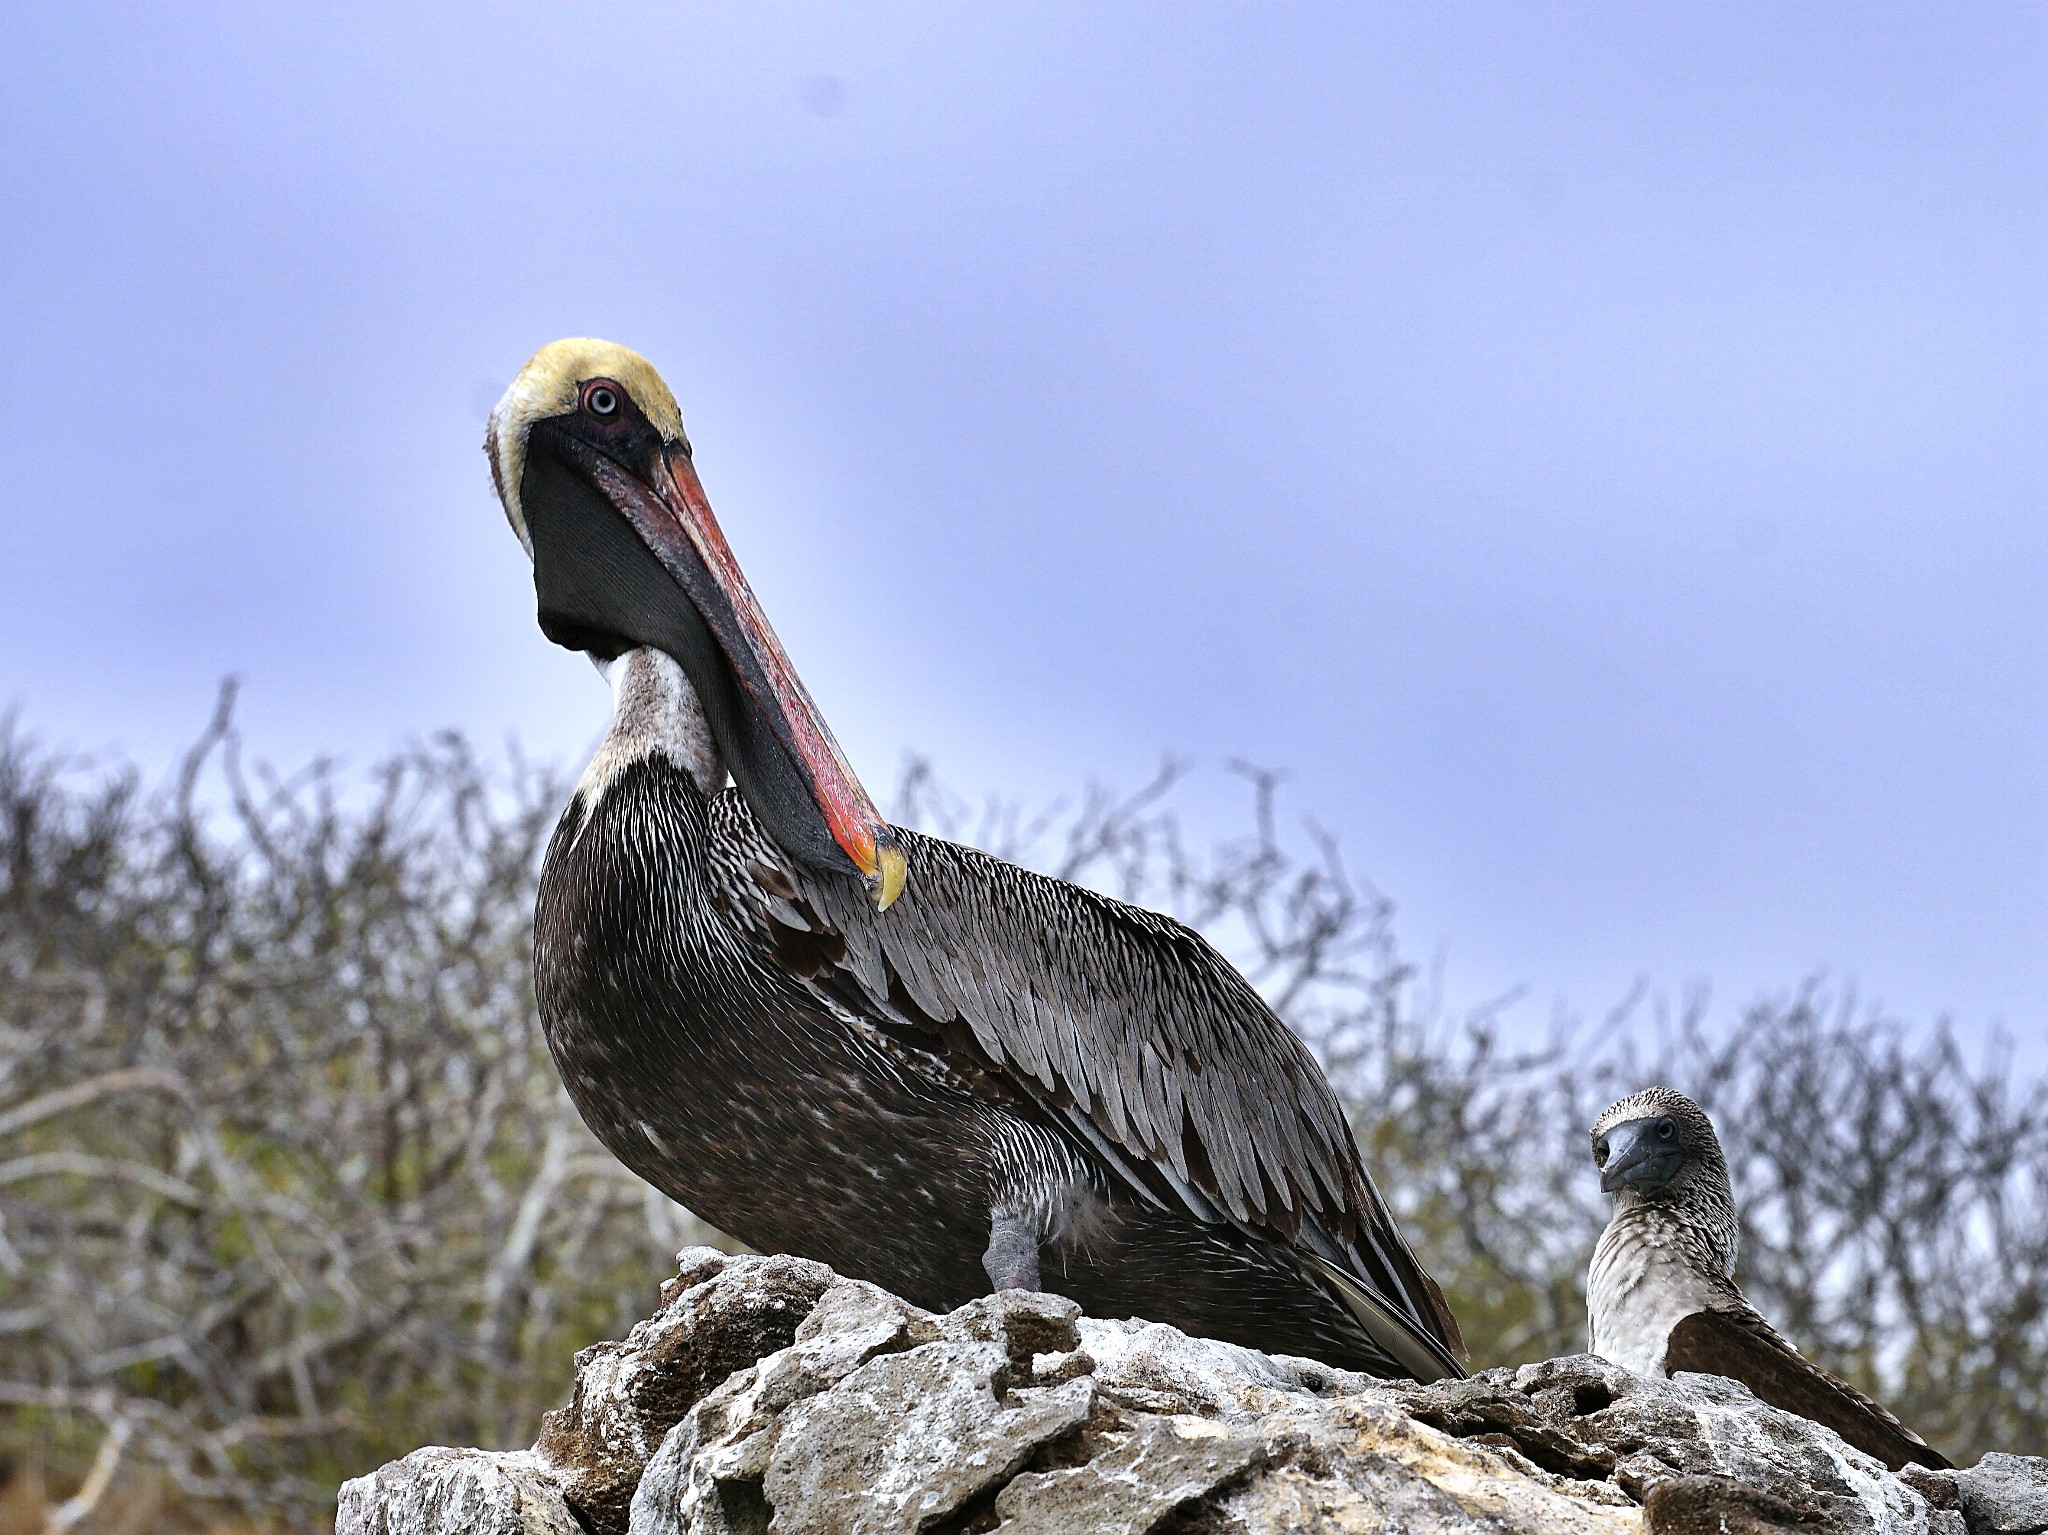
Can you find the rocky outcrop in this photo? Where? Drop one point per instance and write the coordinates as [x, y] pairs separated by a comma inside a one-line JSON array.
[[768, 1395], [476, 1491]]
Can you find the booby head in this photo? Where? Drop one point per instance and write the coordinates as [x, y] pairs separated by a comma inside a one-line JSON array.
[[594, 470], [1656, 1144]]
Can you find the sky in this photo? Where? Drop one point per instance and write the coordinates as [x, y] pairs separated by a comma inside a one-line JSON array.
[[1597, 451]]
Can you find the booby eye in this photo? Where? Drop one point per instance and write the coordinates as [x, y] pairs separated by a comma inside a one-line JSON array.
[[1666, 1130], [601, 399], [1600, 1152]]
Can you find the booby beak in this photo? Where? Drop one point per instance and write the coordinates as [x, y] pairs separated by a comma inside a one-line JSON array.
[[673, 517], [1642, 1154]]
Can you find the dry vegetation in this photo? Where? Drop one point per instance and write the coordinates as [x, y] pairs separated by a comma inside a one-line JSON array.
[[287, 1185]]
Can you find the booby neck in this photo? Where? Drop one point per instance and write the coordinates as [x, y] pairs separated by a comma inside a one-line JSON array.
[[1699, 1211], [1652, 1268]]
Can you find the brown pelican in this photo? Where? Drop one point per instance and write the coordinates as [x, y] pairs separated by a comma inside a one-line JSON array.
[[1661, 1295], [830, 1036]]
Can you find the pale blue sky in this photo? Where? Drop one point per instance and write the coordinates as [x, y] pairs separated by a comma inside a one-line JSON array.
[[1598, 450]]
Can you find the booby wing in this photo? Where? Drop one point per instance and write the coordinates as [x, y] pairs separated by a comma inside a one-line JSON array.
[[1741, 1345], [1152, 1046]]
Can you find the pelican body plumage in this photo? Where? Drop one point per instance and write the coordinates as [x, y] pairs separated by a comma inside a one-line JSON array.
[[903, 1057]]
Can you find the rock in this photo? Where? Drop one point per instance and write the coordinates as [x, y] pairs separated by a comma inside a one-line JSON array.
[[706, 1474], [1131, 1487], [877, 1418], [909, 1439], [1701, 1427], [719, 1315], [1720, 1505], [1150, 1367], [770, 1397], [437, 1492], [2005, 1495]]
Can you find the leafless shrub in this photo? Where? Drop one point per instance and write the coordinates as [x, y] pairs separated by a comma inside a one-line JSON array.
[[288, 1185]]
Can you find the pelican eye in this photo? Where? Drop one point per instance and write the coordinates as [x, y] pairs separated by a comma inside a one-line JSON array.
[[601, 400]]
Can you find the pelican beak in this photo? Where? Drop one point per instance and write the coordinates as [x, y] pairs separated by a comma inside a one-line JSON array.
[[672, 516], [887, 881]]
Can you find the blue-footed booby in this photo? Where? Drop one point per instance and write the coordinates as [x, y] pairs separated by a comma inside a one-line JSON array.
[[1661, 1295]]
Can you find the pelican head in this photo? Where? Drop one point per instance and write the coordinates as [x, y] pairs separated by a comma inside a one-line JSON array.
[[593, 468]]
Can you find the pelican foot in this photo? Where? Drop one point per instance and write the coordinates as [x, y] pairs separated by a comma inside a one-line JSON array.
[[1012, 1256]]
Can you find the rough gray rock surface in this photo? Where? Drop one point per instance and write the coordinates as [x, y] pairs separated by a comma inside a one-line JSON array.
[[2002, 1494], [717, 1316], [477, 1491], [770, 1397]]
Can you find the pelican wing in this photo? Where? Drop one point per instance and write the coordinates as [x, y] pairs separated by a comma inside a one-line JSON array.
[[1150, 1044]]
